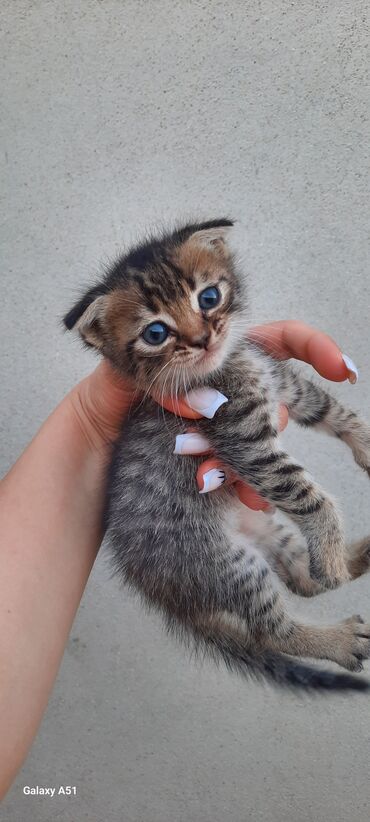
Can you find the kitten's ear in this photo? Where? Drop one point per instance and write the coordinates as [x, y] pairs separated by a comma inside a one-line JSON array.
[[87, 317], [213, 237]]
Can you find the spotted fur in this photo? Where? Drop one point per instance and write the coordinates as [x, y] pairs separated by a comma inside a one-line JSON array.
[[215, 570]]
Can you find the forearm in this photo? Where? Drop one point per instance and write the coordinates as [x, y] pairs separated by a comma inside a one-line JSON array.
[[50, 526]]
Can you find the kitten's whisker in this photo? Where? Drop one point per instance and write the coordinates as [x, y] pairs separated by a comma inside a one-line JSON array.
[[177, 389], [155, 379], [163, 394], [135, 394], [173, 392]]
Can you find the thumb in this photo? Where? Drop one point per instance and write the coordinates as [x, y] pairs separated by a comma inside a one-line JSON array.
[[103, 399]]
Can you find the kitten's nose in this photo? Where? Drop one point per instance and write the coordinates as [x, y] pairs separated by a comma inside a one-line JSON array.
[[201, 341]]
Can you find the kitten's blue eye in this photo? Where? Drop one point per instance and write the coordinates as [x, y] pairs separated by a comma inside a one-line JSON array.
[[155, 333], [209, 298]]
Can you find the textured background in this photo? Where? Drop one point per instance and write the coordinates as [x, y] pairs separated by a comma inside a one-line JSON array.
[[118, 114]]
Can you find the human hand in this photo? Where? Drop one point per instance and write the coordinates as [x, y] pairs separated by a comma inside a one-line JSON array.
[[100, 402], [283, 340]]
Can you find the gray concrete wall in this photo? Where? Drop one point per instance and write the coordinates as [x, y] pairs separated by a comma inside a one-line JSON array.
[[118, 114]]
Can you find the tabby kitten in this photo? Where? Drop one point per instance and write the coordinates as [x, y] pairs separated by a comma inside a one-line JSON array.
[[171, 313]]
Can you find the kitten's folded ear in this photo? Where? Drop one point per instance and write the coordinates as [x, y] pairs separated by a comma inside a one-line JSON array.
[[87, 316], [213, 234]]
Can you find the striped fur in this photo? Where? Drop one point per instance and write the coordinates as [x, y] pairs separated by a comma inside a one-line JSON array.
[[215, 570]]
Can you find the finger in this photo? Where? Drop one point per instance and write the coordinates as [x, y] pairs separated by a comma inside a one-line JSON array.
[[211, 475], [201, 402], [192, 443], [249, 497], [178, 407], [291, 338], [283, 417], [103, 399]]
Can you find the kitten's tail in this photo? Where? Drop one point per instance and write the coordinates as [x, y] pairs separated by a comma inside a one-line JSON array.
[[277, 668]]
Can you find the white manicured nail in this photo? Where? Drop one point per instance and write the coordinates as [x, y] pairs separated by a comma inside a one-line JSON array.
[[352, 368], [206, 401], [212, 480], [191, 444]]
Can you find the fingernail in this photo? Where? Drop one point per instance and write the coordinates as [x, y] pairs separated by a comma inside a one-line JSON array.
[[191, 444], [352, 368], [212, 479], [206, 401]]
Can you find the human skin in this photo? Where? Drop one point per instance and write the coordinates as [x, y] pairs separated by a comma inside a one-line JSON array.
[[51, 504]]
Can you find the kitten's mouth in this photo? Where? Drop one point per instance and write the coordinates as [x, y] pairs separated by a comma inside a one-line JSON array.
[[209, 359]]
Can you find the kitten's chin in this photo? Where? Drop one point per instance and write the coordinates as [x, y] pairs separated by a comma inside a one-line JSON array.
[[209, 362]]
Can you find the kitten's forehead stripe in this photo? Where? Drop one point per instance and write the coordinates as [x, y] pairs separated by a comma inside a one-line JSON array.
[[173, 273], [148, 293], [160, 284]]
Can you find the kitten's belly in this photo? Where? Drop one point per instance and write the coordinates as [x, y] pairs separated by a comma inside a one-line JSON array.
[[245, 528]]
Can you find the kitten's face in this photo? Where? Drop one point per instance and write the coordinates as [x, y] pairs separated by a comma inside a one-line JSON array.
[[174, 320]]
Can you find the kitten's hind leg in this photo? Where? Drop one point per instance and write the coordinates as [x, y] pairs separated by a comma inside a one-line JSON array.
[[287, 554], [347, 643], [259, 604], [285, 551]]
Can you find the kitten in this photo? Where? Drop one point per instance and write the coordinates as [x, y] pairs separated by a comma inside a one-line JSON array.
[[171, 313]]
